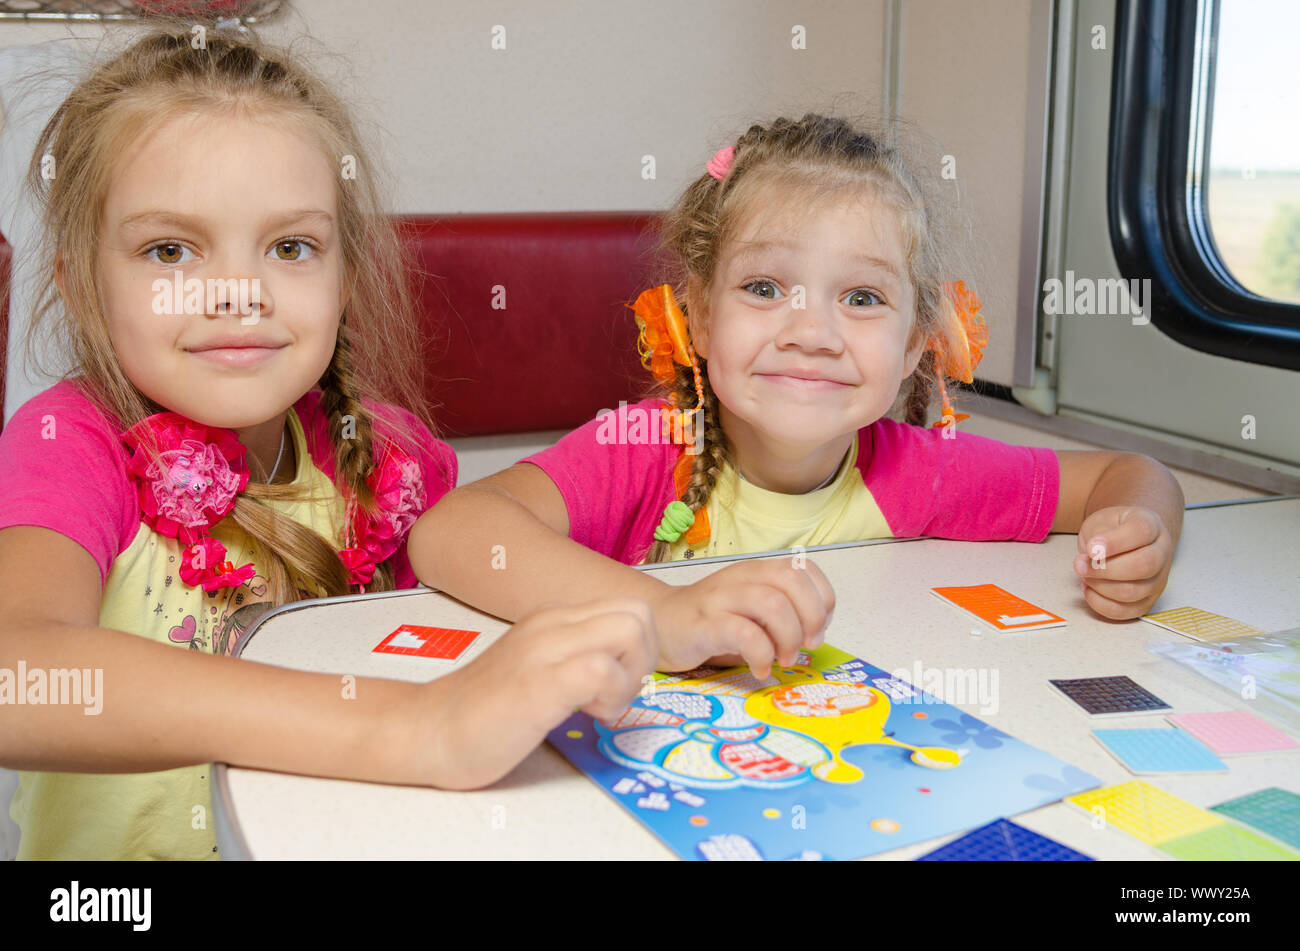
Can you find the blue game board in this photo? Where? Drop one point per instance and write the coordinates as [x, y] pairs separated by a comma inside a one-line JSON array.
[[830, 759], [1004, 841]]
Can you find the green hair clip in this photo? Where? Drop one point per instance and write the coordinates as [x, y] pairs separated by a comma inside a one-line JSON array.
[[678, 517]]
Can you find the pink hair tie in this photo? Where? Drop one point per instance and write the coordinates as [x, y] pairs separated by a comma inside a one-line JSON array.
[[720, 164]]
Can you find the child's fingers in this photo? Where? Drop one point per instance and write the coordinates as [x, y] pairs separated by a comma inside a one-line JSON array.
[[1140, 565], [806, 588], [813, 599], [753, 643], [823, 586], [1138, 528], [610, 689], [615, 650], [1113, 609], [594, 683], [1124, 592], [770, 609], [814, 580]]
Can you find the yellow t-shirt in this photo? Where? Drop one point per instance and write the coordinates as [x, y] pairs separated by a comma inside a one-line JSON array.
[[745, 518]]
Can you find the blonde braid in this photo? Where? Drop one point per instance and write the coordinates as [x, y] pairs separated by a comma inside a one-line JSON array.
[[711, 458], [917, 404], [354, 455]]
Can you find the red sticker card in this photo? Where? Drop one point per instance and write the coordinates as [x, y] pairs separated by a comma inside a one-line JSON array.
[[443, 643]]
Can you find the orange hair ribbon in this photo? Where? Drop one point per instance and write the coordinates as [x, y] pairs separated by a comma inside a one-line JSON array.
[[699, 530], [663, 341], [966, 327]]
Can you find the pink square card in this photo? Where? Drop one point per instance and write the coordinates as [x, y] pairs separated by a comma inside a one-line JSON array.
[[1234, 732]]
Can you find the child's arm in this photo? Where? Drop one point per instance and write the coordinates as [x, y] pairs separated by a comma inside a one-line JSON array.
[[1128, 511], [163, 707], [502, 545]]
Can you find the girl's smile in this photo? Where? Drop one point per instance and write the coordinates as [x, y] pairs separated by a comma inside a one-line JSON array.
[[802, 379], [238, 350], [237, 356]]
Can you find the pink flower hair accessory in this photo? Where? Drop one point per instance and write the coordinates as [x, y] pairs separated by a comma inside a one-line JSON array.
[[720, 164], [360, 565], [202, 470], [193, 485], [399, 491], [203, 563]]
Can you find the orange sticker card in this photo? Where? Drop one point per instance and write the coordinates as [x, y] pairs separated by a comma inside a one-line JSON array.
[[441, 643], [999, 609]]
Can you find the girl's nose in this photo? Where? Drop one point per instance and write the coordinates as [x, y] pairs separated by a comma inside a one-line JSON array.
[[245, 298], [234, 287], [809, 325]]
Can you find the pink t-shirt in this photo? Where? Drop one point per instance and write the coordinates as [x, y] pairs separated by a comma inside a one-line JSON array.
[[969, 487], [77, 484]]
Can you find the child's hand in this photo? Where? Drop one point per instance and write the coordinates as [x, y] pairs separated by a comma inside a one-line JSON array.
[[755, 612], [481, 721], [1125, 555]]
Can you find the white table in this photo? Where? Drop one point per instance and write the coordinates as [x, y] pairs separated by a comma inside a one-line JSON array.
[[1240, 559]]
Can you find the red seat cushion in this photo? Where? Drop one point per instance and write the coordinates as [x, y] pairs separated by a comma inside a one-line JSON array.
[[563, 347]]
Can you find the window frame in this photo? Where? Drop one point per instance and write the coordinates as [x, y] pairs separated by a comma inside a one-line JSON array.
[[1161, 114]]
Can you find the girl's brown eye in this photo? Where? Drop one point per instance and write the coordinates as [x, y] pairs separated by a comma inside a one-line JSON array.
[[168, 253], [288, 250], [862, 298]]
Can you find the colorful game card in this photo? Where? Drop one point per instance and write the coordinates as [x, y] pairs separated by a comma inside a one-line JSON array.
[[1146, 812], [1234, 733], [1004, 841], [1174, 826], [999, 609], [440, 643], [1159, 751], [1110, 696], [1273, 811], [1228, 842], [831, 758], [1202, 625]]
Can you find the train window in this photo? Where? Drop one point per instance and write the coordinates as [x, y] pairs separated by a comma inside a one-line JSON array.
[[1222, 284], [1253, 192]]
